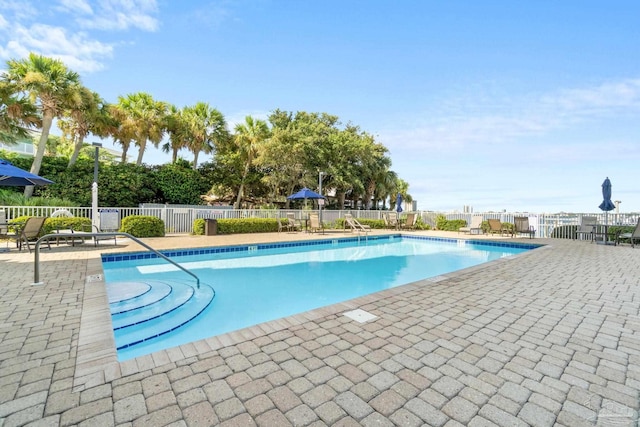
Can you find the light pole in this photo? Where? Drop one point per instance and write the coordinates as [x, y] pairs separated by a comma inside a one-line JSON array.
[[94, 188], [320, 201]]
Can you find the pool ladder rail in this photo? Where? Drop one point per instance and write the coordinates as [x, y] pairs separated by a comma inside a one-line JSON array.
[[46, 237]]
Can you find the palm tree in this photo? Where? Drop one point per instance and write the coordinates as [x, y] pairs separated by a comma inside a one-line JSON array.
[[141, 119], [17, 115], [176, 128], [51, 85], [89, 116], [248, 138], [207, 126]]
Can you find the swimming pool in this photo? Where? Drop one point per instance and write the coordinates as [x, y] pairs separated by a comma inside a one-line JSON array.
[[258, 283]]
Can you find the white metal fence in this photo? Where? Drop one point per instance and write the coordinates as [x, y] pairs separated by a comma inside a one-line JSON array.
[[179, 219]]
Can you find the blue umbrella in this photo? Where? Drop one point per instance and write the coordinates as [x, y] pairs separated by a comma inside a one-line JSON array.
[[606, 205], [399, 203], [14, 176], [305, 193]]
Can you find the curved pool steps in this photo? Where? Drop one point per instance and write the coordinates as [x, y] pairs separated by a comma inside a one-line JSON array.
[[153, 316], [157, 291]]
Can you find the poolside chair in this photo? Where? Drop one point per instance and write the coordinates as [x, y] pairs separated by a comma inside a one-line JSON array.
[[287, 225], [314, 222], [97, 239], [495, 227], [521, 226], [292, 223], [354, 224], [633, 236], [392, 218], [29, 232], [475, 227], [587, 227], [4, 228], [410, 221]]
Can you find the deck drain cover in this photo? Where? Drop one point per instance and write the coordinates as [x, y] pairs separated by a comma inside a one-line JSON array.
[[94, 278], [360, 315]]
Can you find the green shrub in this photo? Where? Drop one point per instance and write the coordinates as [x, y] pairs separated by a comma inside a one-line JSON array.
[[65, 223], [239, 226], [143, 226], [444, 224]]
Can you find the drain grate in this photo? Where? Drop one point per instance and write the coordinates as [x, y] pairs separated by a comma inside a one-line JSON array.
[[360, 315], [94, 278]]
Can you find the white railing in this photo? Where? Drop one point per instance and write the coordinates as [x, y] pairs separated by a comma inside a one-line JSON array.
[[179, 219]]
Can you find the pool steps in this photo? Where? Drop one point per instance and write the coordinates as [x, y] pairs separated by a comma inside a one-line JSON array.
[[166, 306]]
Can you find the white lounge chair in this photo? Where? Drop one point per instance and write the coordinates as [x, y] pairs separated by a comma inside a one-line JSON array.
[[354, 224], [475, 227], [587, 228]]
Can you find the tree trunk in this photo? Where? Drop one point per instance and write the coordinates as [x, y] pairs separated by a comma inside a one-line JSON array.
[[76, 151], [141, 147], [241, 190], [174, 156], [195, 160], [47, 119]]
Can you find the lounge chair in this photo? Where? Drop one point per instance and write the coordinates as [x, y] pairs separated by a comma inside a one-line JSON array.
[[4, 228], [521, 226], [292, 223], [587, 227], [633, 236], [354, 224], [314, 223], [495, 227], [410, 221], [287, 225], [29, 232], [392, 220], [475, 227]]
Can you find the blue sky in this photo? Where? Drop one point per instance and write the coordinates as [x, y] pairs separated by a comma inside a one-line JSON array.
[[523, 106]]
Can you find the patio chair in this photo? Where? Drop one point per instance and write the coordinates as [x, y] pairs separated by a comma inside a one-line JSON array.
[[292, 223], [354, 224], [314, 222], [4, 228], [392, 218], [495, 227], [587, 227], [287, 225], [30, 232], [521, 226], [410, 221], [633, 236], [475, 227]]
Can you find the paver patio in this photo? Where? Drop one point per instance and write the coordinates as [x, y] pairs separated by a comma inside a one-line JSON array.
[[550, 337]]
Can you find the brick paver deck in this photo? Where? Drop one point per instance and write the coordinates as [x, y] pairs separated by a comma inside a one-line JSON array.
[[551, 337]]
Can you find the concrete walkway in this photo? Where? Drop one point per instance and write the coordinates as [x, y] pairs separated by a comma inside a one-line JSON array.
[[550, 337]]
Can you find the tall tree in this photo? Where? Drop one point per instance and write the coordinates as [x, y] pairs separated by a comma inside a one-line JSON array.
[[90, 115], [177, 130], [248, 137], [142, 119], [49, 84], [206, 127], [17, 114]]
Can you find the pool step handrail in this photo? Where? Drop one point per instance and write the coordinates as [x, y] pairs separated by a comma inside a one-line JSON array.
[[36, 256]]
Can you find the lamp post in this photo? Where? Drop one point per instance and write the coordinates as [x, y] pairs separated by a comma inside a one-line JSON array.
[[320, 201], [94, 188]]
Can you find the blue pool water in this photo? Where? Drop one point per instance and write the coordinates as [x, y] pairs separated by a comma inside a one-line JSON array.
[[254, 284]]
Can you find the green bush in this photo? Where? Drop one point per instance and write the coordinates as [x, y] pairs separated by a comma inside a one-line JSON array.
[[373, 223], [65, 223], [444, 224], [143, 226], [239, 226]]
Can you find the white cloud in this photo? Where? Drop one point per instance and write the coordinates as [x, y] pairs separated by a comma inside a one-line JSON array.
[[122, 15], [77, 50], [76, 6], [463, 125]]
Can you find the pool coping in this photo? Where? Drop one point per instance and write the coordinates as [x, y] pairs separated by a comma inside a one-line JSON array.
[[97, 361]]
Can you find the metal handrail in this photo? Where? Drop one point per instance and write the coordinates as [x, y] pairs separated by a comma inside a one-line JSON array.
[[36, 260]]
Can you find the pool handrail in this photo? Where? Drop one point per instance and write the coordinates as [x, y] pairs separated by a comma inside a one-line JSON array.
[[36, 256]]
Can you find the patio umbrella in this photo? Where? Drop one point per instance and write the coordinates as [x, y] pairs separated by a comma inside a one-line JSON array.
[[606, 205], [14, 176], [399, 203], [305, 194]]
